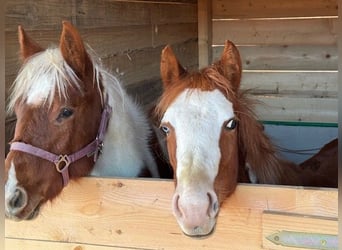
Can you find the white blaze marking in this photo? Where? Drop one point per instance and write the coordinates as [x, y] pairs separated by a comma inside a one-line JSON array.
[[197, 117], [10, 185]]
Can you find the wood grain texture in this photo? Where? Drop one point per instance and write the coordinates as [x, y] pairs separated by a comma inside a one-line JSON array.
[[103, 212], [204, 33], [273, 9], [313, 84], [294, 57], [284, 108], [276, 32]]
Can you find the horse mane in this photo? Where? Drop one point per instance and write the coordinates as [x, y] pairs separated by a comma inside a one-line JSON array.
[[49, 65], [206, 79], [255, 148]]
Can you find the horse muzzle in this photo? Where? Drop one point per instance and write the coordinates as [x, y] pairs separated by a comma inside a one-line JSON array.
[[195, 212]]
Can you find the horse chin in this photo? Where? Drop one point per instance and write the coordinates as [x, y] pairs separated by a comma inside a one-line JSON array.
[[34, 213], [200, 232]]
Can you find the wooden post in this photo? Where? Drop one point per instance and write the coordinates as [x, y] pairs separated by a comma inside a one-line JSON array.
[[204, 32]]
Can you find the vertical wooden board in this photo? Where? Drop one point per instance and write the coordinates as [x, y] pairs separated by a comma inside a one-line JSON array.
[[273, 9], [293, 57], [37, 14], [204, 33], [276, 32], [275, 222]]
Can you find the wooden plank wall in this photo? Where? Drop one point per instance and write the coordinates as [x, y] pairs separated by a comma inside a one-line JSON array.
[[127, 35], [101, 214], [289, 52]]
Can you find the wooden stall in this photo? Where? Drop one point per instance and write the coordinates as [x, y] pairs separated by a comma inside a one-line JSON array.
[[289, 53]]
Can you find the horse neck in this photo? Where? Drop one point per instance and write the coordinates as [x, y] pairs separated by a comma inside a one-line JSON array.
[[126, 135]]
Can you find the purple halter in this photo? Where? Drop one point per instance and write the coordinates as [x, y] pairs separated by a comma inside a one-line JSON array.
[[62, 162]]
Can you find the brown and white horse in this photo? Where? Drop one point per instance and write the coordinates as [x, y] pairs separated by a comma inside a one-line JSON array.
[[213, 139], [73, 118]]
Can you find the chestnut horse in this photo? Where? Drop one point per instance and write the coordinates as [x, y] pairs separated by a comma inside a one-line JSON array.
[[73, 119], [213, 139]]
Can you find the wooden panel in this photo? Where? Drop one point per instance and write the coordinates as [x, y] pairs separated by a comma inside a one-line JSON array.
[[276, 32], [117, 13], [204, 33], [276, 222], [128, 66], [174, 33], [19, 244], [44, 15], [38, 14], [295, 57], [108, 212], [174, 13], [268, 9], [101, 13], [300, 84], [276, 108]]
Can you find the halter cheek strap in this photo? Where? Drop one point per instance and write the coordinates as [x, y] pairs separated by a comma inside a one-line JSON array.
[[62, 162]]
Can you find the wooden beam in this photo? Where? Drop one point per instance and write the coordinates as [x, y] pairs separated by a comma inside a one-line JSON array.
[[95, 213], [273, 9], [309, 31], [204, 33]]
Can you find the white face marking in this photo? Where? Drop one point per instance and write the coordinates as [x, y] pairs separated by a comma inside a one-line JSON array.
[[44, 75], [197, 117], [38, 93], [11, 184]]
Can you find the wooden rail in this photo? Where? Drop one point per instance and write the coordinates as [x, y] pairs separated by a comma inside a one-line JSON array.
[[103, 213]]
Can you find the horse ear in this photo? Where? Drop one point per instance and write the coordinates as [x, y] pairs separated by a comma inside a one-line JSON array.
[[230, 64], [73, 50], [170, 68], [28, 46]]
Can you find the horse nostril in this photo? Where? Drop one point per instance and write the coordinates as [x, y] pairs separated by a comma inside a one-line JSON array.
[[176, 209], [19, 199], [213, 204]]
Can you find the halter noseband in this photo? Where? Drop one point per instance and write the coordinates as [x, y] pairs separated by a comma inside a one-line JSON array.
[[62, 162]]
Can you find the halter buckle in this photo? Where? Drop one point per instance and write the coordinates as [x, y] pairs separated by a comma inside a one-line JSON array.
[[62, 163]]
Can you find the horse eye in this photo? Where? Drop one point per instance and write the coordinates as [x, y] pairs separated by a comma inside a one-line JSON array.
[[65, 113], [231, 124], [165, 129]]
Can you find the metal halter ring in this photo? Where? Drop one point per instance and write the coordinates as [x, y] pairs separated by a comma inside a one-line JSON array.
[[63, 159]]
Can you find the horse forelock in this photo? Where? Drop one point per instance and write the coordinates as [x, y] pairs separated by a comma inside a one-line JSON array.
[[46, 75], [207, 79], [41, 77]]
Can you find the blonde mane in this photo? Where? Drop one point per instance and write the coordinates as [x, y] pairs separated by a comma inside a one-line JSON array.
[[49, 71]]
